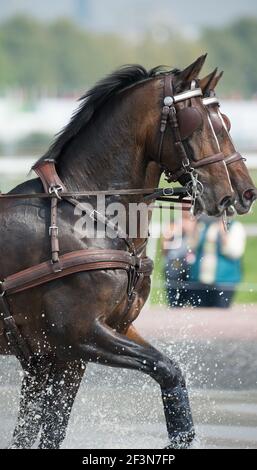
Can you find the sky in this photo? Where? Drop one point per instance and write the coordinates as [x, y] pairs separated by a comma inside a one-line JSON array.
[[134, 16]]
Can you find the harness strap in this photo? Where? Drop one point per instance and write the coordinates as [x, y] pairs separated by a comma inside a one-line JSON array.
[[16, 343], [47, 173], [213, 100], [168, 90], [53, 232], [97, 216], [236, 157], [74, 262], [218, 157], [137, 282], [210, 100], [82, 194], [179, 147], [169, 114]]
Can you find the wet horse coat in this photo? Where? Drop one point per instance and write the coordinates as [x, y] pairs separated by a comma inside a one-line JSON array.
[[81, 318]]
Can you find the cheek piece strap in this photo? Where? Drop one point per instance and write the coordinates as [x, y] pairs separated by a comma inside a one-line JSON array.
[[169, 115], [213, 100]]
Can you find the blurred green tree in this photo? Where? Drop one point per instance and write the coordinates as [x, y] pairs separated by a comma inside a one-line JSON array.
[[233, 48], [58, 58]]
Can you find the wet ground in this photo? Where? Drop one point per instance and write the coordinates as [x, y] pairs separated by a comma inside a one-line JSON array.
[[123, 409]]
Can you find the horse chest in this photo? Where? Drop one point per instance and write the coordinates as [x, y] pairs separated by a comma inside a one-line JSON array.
[[129, 310]]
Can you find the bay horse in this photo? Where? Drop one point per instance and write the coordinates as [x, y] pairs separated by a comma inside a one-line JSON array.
[[242, 183], [113, 141]]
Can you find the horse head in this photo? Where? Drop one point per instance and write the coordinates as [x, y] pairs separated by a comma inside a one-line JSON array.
[[242, 183], [133, 118], [189, 150]]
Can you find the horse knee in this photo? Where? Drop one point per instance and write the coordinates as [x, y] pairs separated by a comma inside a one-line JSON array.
[[167, 373]]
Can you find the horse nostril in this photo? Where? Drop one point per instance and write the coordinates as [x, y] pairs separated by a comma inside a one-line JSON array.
[[250, 195], [226, 202]]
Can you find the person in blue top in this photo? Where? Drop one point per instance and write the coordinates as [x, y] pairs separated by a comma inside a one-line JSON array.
[[217, 268]]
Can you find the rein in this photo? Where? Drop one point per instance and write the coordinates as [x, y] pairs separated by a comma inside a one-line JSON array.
[[148, 193]]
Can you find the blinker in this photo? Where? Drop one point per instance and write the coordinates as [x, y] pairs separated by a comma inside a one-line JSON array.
[[189, 121], [217, 122]]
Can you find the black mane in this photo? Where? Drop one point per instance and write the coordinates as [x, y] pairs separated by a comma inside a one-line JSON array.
[[94, 98]]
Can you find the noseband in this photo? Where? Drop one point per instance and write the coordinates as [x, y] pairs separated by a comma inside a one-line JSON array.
[[219, 121], [183, 124]]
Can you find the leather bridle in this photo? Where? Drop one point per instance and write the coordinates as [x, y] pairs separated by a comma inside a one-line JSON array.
[[171, 114], [213, 100]]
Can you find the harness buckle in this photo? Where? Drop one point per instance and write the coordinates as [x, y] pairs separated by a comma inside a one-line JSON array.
[[55, 190], [168, 191], [56, 266], [186, 164], [53, 227]]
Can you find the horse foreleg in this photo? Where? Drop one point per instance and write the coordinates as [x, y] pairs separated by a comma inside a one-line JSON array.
[[109, 347], [31, 402], [175, 401], [61, 390]]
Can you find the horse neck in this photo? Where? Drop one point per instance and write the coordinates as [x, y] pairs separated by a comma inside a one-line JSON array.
[[110, 152]]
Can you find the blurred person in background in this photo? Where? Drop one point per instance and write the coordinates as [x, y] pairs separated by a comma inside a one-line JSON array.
[[204, 268], [178, 259], [217, 267]]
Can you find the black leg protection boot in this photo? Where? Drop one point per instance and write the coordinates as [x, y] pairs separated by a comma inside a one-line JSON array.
[[178, 416]]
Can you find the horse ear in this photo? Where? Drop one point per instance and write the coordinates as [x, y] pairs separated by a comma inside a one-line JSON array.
[[192, 71], [206, 82], [216, 80]]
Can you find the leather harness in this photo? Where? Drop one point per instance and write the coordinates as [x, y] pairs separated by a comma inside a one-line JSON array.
[[133, 261], [213, 100], [169, 113]]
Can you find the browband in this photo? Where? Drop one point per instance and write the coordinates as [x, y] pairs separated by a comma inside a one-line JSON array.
[[185, 95], [210, 100]]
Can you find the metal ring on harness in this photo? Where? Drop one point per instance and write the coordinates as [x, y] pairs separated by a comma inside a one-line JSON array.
[[168, 191], [195, 188], [55, 190]]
